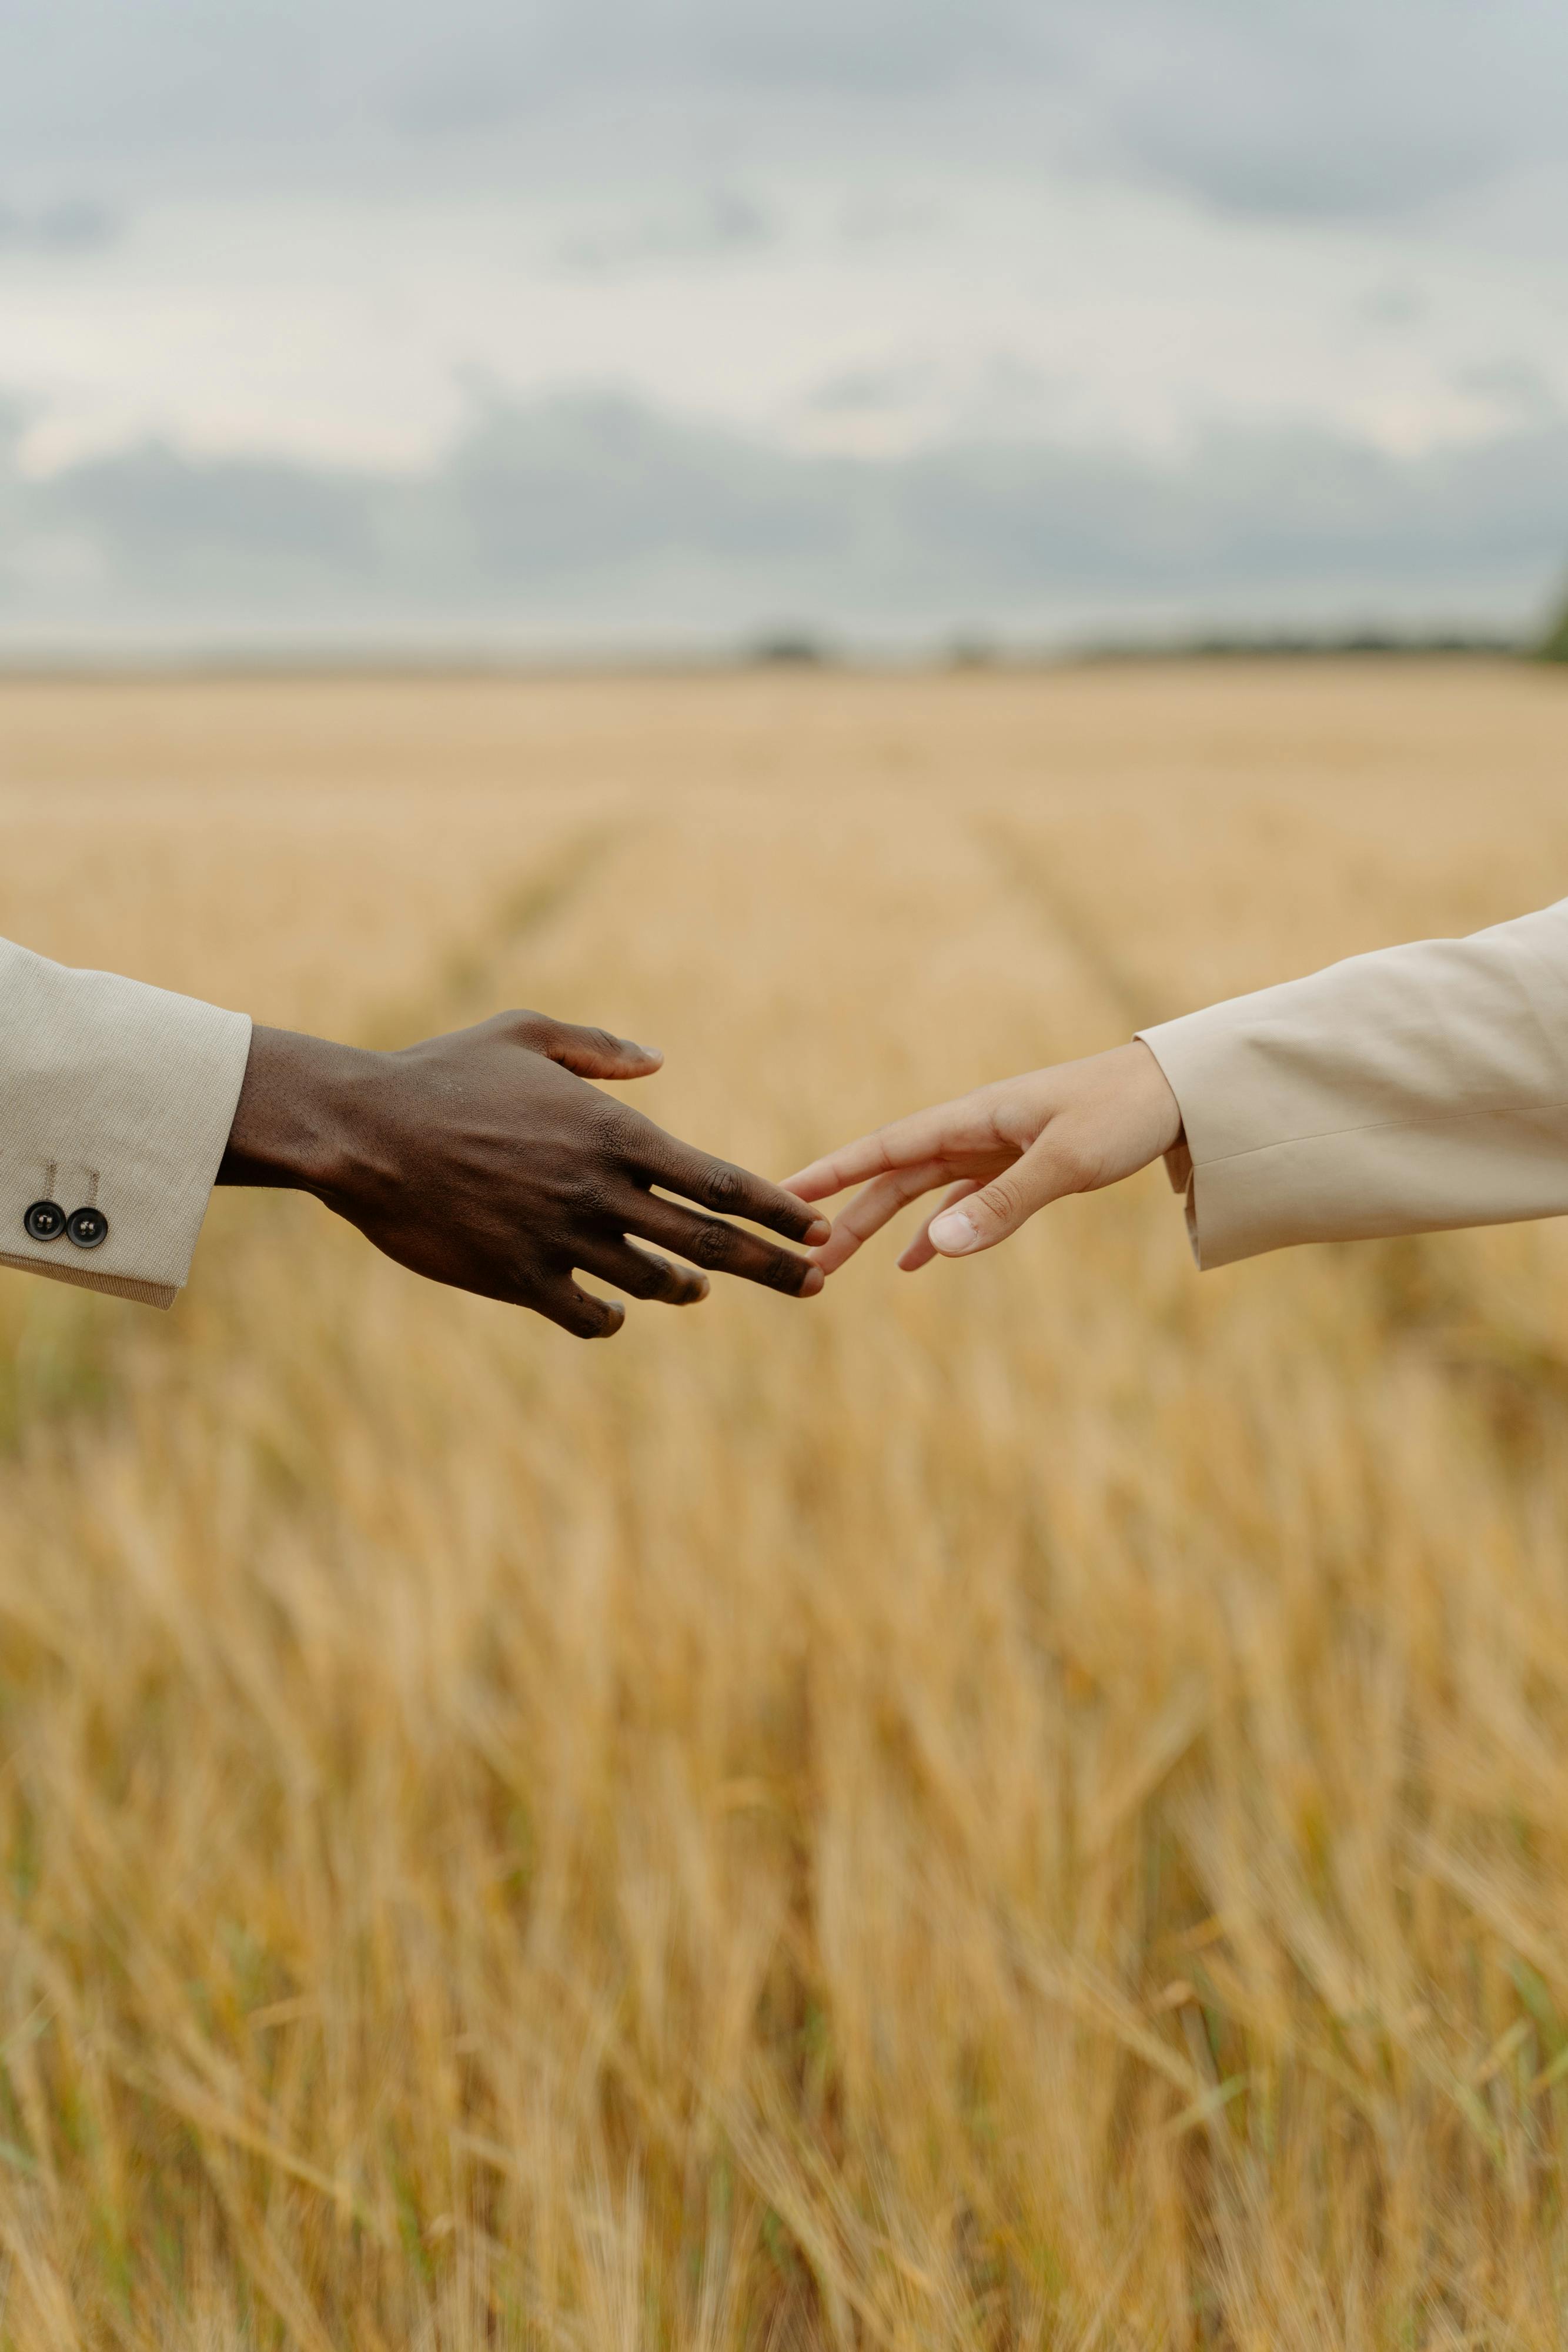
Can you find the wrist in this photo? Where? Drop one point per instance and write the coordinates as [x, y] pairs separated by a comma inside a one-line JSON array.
[[1158, 1097], [300, 1114]]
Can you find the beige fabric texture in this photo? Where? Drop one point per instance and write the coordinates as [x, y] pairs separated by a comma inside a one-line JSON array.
[[118, 1097], [1409, 1091]]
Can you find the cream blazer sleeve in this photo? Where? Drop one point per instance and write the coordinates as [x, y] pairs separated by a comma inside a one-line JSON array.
[[1418, 1088], [116, 1102]]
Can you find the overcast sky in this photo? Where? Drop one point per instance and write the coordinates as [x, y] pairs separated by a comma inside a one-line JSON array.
[[649, 320]]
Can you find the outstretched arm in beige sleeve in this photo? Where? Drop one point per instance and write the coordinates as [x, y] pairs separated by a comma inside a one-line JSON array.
[[1417, 1088], [1410, 1091]]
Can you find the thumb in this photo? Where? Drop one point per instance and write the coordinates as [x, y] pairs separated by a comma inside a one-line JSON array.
[[591, 1053], [1043, 1173]]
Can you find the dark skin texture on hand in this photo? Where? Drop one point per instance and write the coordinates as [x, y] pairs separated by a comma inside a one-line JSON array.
[[485, 1160]]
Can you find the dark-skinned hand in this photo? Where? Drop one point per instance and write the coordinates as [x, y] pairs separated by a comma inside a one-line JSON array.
[[485, 1160]]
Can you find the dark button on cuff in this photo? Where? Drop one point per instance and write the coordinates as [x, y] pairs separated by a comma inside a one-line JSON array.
[[89, 1229], [45, 1221]]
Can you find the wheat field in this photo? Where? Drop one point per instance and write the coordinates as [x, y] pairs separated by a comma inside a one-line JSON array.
[[1022, 1807]]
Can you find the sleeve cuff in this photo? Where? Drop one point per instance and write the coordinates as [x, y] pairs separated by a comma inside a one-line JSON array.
[[1165, 1043], [116, 1103]]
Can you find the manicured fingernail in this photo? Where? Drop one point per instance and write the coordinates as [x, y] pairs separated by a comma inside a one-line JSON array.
[[812, 1283], [953, 1233]]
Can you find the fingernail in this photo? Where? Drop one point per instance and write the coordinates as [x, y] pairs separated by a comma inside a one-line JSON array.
[[820, 1231], [953, 1233], [812, 1283]]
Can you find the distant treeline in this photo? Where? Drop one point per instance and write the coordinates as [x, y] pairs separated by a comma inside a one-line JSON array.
[[1300, 644], [802, 648], [1553, 646]]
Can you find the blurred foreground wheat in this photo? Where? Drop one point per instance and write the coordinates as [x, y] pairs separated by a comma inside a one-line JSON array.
[[1028, 1807]]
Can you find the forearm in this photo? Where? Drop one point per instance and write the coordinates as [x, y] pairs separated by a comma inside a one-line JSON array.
[[1419, 1088]]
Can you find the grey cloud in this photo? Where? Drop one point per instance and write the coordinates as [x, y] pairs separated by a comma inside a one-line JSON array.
[[70, 225], [718, 223], [1288, 107], [489, 63], [1392, 305], [593, 520], [287, 74], [246, 528], [1324, 107], [1516, 391]]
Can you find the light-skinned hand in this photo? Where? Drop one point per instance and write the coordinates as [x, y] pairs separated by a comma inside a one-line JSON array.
[[1003, 1152]]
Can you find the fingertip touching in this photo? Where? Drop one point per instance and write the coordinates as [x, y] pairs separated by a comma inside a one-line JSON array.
[[775, 1205], [801, 1189], [836, 1249], [734, 1191]]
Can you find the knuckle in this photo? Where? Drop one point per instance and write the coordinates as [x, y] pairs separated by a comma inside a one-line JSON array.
[[1002, 1199], [714, 1244], [783, 1272], [724, 1188], [586, 1200], [615, 1129]]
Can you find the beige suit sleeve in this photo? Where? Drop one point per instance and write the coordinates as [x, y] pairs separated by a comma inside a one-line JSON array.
[[1409, 1091], [118, 1100]]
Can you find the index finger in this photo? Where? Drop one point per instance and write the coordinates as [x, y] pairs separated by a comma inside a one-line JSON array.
[[924, 1134], [677, 1167], [870, 1211]]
